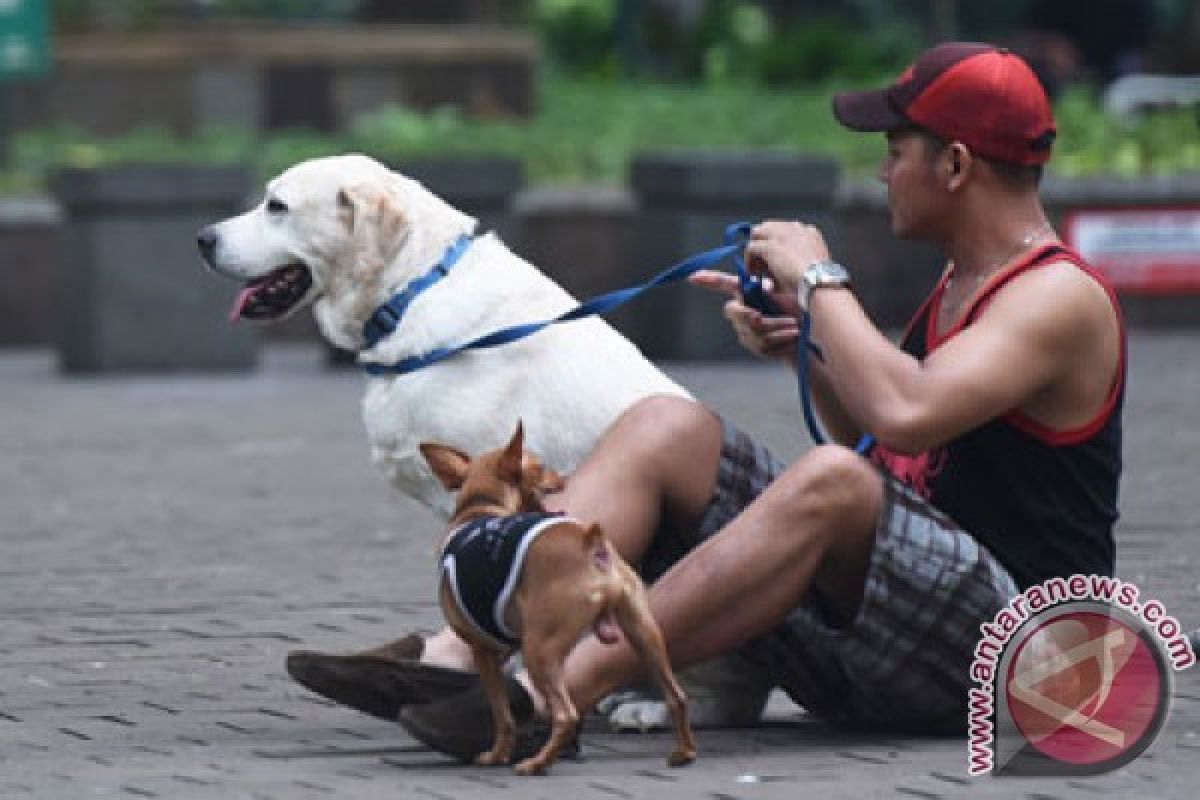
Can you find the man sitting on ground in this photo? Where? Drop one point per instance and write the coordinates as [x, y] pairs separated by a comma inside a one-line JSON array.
[[859, 583]]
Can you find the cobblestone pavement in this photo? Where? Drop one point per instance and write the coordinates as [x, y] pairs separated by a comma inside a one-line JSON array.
[[164, 542]]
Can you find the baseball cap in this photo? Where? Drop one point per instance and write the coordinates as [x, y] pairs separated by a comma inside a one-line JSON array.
[[983, 96]]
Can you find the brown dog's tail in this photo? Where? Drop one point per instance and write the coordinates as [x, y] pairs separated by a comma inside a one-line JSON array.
[[596, 546]]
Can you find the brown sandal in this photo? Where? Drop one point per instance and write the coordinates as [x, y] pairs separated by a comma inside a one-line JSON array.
[[379, 681]]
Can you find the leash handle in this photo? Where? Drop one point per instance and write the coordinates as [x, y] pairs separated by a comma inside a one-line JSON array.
[[754, 294]]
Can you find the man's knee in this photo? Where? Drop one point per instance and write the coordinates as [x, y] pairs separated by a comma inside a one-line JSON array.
[[838, 491], [838, 497], [672, 445], [665, 423], [659, 410]]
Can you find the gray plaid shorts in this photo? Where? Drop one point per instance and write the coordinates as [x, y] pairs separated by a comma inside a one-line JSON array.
[[903, 662]]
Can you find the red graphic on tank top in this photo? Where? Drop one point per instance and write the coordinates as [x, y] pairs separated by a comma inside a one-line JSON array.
[[916, 472]]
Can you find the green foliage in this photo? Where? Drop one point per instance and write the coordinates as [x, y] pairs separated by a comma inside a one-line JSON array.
[[1089, 141], [578, 34], [728, 41], [827, 46], [589, 130], [725, 44]]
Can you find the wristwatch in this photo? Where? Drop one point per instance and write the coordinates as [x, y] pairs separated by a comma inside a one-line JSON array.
[[822, 273]]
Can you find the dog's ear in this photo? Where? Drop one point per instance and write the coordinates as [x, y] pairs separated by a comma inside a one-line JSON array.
[[550, 481], [448, 463], [510, 461], [536, 477], [374, 217]]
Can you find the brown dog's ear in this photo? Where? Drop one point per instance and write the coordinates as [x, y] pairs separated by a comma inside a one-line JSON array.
[[550, 481], [510, 461], [448, 463], [374, 217], [538, 478]]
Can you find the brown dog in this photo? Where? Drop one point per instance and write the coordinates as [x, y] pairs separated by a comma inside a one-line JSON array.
[[571, 579]]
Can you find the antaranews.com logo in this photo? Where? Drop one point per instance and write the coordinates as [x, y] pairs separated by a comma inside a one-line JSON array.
[[1072, 678]]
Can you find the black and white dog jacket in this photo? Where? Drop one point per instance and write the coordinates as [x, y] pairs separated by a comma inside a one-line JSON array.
[[482, 561]]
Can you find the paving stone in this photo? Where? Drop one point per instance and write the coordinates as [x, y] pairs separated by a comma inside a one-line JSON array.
[[165, 542]]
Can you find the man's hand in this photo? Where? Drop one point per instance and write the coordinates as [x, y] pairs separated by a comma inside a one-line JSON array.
[[766, 337], [784, 250]]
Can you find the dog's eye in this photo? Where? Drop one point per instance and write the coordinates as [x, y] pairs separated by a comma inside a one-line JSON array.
[[275, 206]]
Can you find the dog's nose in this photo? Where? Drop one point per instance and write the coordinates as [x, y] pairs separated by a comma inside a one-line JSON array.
[[206, 240]]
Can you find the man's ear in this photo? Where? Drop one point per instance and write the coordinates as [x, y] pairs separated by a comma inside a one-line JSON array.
[[448, 463], [510, 461], [373, 217], [959, 162]]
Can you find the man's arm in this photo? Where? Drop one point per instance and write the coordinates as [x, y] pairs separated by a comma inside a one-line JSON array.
[[1047, 341], [1035, 330]]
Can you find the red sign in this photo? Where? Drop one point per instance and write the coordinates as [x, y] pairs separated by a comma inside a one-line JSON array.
[[1144, 251]]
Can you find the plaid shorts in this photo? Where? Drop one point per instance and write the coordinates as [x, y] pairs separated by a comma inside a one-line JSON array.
[[903, 662]]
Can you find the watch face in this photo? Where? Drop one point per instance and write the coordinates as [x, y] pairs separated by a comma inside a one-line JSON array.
[[823, 273]]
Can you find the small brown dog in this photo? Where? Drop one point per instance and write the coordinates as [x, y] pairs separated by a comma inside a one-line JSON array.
[[557, 579]]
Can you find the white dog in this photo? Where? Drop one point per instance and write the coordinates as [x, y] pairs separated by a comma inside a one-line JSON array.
[[344, 234]]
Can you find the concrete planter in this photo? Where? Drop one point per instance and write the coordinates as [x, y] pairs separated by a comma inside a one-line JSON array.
[[590, 239], [265, 77], [132, 293], [685, 201], [482, 186], [582, 238], [1063, 196], [891, 275], [29, 231]]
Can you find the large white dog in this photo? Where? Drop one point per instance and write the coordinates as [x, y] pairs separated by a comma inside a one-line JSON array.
[[345, 234]]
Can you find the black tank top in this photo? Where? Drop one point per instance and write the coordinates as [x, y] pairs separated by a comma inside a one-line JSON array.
[[1044, 502]]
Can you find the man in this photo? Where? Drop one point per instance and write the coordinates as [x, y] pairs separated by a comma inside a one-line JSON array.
[[859, 583]]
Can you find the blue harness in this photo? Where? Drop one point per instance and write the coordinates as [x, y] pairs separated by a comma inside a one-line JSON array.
[[482, 561]]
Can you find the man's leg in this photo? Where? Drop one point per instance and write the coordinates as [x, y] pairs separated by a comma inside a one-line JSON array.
[[813, 527]]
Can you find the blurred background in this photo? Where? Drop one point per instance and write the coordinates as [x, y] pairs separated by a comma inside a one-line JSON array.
[[571, 87], [604, 139]]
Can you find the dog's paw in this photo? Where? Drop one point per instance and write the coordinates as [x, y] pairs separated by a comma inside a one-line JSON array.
[[681, 757], [727, 692], [633, 711]]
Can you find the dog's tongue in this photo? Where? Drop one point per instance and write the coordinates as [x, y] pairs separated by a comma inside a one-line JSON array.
[[239, 303]]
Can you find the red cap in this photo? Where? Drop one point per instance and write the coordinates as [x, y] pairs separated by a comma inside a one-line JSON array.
[[980, 95]]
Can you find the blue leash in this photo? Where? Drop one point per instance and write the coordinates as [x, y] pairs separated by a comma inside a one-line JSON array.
[[755, 296], [387, 317], [735, 236]]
